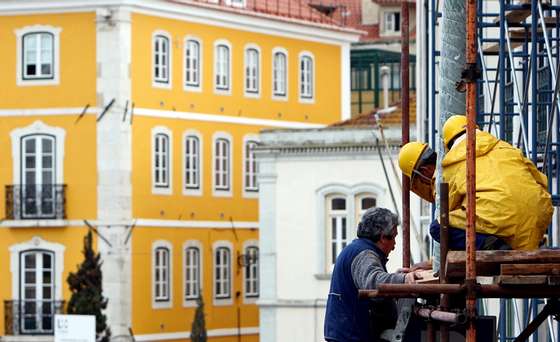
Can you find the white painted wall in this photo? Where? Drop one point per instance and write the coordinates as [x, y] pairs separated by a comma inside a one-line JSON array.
[[295, 281]]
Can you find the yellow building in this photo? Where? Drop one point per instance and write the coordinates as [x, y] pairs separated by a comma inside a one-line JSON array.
[[139, 118]]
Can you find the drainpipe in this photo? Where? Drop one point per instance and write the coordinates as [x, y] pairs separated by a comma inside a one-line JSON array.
[[385, 72]]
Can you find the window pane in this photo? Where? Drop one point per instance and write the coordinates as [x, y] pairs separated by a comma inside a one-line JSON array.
[[338, 204], [368, 202]]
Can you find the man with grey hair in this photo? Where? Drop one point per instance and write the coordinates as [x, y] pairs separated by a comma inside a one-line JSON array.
[[362, 265]]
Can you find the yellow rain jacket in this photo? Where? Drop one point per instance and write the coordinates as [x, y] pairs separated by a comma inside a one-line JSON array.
[[512, 201]]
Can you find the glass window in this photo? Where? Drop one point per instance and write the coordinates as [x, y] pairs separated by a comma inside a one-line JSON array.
[[252, 71], [392, 22], [337, 231], [222, 273], [192, 273], [192, 63], [161, 160], [250, 167], [161, 59], [161, 274], [252, 271], [192, 162], [306, 77], [38, 55], [363, 203], [279, 74], [222, 60], [221, 164]]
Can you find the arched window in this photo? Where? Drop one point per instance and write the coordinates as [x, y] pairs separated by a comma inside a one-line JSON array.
[[192, 63], [192, 272], [222, 273], [162, 270], [279, 74], [161, 55], [363, 203], [38, 55], [222, 164], [250, 167], [222, 67], [192, 162], [252, 71], [306, 72], [337, 228], [251, 271], [161, 160]]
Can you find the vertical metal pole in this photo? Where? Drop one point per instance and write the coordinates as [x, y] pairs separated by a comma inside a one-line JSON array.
[[405, 57], [444, 247], [470, 277], [502, 71], [430, 331]]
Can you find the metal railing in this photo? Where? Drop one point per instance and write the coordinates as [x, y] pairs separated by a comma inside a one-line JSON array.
[[35, 201], [31, 317]]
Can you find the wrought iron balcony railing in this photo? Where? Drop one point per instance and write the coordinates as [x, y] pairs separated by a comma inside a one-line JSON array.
[[31, 317], [36, 201]]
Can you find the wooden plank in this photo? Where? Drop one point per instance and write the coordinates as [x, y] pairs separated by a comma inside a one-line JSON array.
[[488, 262], [530, 269], [427, 277], [512, 280], [515, 17], [494, 48]]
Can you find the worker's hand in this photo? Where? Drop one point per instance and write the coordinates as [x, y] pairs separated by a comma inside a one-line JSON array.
[[403, 270], [424, 265], [411, 277]]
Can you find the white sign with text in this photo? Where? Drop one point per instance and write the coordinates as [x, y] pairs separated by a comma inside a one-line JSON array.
[[74, 328]]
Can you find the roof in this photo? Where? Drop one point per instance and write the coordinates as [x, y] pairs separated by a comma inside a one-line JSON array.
[[330, 12], [384, 116]]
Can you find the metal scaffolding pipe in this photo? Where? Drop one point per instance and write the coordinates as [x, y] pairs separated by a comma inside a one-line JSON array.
[[405, 128], [444, 247], [440, 315], [411, 290], [481, 291]]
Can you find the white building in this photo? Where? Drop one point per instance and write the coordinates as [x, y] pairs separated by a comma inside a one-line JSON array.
[[314, 186]]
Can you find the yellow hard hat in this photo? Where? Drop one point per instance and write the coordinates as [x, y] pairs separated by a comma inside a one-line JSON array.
[[455, 125], [409, 156]]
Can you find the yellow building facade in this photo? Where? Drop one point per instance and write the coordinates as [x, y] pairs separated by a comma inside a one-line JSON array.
[[139, 119]]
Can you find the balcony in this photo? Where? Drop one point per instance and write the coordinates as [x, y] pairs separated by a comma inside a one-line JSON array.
[[36, 202], [31, 317]]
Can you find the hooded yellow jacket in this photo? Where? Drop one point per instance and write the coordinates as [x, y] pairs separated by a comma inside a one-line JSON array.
[[512, 200]]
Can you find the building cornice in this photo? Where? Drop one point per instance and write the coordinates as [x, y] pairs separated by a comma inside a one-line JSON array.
[[197, 12]]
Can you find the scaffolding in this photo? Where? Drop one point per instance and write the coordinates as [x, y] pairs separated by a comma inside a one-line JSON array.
[[510, 77]]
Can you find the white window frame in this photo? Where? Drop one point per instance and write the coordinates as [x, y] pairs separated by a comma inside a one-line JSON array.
[[36, 243], [253, 92], [305, 97], [222, 90], [193, 191], [166, 303], [338, 215], [221, 301], [159, 82], [38, 128], [358, 205], [196, 87], [275, 95], [236, 3], [350, 192], [20, 33], [192, 302], [251, 297], [389, 25], [249, 192], [160, 189], [216, 191]]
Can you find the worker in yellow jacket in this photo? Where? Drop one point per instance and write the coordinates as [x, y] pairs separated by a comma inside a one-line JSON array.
[[512, 201]]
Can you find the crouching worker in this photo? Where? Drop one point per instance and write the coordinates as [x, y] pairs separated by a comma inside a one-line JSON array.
[[513, 206], [361, 265]]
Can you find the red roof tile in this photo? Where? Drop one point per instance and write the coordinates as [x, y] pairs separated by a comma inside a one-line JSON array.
[[393, 118]]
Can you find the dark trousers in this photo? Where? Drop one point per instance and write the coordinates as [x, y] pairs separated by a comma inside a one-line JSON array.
[[457, 239]]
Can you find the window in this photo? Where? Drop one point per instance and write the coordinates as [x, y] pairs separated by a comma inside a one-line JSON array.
[[161, 274], [279, 74], [363, 203], [222, 162], [38, 55], [161, 63], [193, 63], [192, 162], [235, 3], [250, 167], [392, 22], [337, 227], [192, 273], [252, 71], [222, 67], [251, 271], [161, 160], [306, 77], [222, 271]]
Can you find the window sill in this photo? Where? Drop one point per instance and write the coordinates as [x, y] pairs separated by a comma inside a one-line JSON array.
[[323, 276], [32, 82], [221, 193], [193, 89], [161, 305], [34, 223], [222, 301], [190, 303], [161, 85], [161, 191], [192, 192]]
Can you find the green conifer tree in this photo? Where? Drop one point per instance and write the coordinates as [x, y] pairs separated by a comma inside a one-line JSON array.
[[198, 328], [87, 291]]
